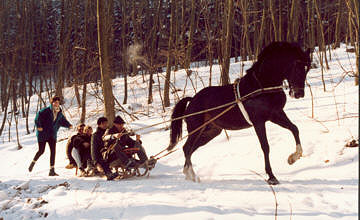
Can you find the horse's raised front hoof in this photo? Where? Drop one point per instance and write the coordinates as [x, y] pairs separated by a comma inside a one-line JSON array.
[[273, 181], [293, 158]]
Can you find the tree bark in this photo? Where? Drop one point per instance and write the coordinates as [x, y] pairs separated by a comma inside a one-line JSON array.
[[153, 49], [225, 79], [191, 34], [104, 61], [123, 45], [169, 60]]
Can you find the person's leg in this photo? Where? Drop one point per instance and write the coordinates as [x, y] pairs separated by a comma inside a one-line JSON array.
[[69, 148], [120, 154], [37, 155], [52, 144], [105, 166], [109, 175], [141, 153], [76, 155], [85, 155]]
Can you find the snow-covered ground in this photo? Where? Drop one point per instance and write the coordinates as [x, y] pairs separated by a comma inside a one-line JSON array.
[[321, 185]]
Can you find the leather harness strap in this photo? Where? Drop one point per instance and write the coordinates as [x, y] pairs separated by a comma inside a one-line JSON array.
[[240, 104]]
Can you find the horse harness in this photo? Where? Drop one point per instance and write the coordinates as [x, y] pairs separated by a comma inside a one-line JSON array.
[[240, 103]]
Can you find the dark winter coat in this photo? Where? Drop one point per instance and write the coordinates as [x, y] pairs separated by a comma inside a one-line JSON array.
[[69, 147], [45, 119], [97, 145], [125, 140], [85, 152], [79, 139]]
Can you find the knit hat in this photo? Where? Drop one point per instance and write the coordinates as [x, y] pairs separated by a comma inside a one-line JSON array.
[[119, 120], [101, 120]]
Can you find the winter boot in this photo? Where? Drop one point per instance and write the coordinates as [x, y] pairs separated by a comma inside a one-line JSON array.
[[130, 163], [52, 172], [32, 165], [151, 162], [111, 176], [82, 172], [70, 166]]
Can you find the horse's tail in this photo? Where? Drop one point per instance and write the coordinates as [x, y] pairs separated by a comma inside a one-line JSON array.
[[176, 125]]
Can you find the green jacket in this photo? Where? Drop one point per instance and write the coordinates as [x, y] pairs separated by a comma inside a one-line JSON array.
[[45, 119]]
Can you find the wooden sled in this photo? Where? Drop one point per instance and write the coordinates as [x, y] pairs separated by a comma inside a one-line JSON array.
[[138, 170]]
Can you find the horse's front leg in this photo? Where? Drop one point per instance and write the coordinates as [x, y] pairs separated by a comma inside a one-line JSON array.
[[281, 119], [261, 133]]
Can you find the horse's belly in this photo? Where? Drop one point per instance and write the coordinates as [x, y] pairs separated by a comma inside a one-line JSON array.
[[233, 121]]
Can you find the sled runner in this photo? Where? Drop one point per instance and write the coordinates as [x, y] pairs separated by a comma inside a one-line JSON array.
[[137, 170]]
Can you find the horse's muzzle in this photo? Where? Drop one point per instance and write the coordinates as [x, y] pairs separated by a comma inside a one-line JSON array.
[[296, 93]]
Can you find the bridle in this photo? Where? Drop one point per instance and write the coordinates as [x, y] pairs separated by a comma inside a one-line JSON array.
[[291, 68]]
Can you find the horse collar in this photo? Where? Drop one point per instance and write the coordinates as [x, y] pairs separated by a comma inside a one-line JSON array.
[[240, 103]]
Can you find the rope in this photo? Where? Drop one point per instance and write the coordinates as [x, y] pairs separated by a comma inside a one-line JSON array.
[[194, 131], [262, 90], [256, 92]]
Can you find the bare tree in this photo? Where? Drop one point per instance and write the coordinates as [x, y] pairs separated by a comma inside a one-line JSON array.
[[227, 43], [169, 60], [191, 34], [104, 59]]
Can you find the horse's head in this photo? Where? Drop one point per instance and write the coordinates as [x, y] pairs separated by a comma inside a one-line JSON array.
[[281, 61], [296, 75]]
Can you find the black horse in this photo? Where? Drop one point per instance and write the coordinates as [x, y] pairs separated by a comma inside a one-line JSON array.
[[277, 62]]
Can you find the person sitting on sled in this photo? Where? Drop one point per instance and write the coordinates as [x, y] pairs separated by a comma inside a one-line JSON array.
[[70, 145], [81, 150], [97, 147], [118, 141]]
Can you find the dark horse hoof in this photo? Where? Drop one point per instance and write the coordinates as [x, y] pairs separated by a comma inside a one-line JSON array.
[[272, 181]]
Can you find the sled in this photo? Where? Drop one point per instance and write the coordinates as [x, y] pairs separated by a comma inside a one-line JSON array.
[[138, 170]]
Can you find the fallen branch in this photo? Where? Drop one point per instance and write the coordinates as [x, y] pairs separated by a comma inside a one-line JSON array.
[[133, 117], [92, 191], [273, 191]]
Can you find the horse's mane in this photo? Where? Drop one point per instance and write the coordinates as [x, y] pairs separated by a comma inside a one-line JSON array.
[[274, 49]]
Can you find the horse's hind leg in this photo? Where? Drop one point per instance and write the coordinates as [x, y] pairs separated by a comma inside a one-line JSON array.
[[193, 142], [281, 119]]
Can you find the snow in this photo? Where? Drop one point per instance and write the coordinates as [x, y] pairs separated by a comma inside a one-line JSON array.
[[323, 184]]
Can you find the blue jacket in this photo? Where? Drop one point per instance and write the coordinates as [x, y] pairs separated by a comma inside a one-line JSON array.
[[45, 119]]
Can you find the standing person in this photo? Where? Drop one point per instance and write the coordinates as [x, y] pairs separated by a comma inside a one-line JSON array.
[[48, 121], [70, 145], [97, 147]]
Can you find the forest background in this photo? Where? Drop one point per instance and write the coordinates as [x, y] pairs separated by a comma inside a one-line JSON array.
[[47, 45]]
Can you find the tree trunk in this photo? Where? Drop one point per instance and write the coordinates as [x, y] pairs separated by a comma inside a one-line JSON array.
[[60, 72], [168, 63], [191, 34], [123, 42], [104, 60], [273, 19], [6, 104], [337, 25], [153, 49], [225, 79], [83, 103]]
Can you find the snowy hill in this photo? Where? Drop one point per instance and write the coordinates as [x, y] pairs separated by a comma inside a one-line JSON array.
[[323, 184]]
